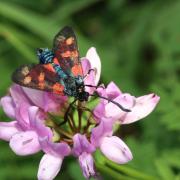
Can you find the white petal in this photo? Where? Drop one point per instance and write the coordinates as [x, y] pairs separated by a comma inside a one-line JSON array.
[[8, 106], [125, 100], [94, 59], [25, 143], [49, 167], [36, 96], [144, 106], [87, 165], [115, 150], [8, 129]]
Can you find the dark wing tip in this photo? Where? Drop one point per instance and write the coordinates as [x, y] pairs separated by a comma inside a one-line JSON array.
[[66, 31], [18, 76]]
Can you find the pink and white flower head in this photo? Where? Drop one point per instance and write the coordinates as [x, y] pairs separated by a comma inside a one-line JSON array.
[[140, 107], [33, 127]]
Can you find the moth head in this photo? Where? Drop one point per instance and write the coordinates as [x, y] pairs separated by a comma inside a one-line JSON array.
[[41, 53]]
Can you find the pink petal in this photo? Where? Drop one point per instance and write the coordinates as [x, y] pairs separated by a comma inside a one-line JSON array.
[[112, 90], [25, 143], [125, 100], [33, 113], [22, 115], [18, 95], [115, 150], [45, 100], [8, 129], [86, 66], [49, 167], [56, 149], [8, 106], [87, 165], [36, 96], [89, 78], [53, 102], [144, 106], [105, 128], [95, 62], [81, 144], [99, 111], [101, 91], [37, 122]]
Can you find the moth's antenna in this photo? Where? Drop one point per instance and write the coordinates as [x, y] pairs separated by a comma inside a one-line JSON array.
[[114, 102], [89, 85], [89, 72]]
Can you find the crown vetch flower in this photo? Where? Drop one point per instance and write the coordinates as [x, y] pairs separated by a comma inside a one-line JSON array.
[[140, 107], [35, 125], [83, 149], [20, 132], [111, 146]]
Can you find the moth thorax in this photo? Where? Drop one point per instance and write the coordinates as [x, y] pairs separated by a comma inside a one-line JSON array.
[[83, 95], [80, 89]]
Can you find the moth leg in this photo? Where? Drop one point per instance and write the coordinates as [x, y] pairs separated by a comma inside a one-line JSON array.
[[67, 113], [89, 72], [86, 109]]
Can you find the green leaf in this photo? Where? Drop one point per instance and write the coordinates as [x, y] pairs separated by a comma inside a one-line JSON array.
[[130, 171], [31, 20], [75, 171], [66, 10], [17, 43], [164, 169], [172, 157]]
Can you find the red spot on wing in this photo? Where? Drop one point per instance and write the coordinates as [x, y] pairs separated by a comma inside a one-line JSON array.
[[58, 88], [77, 70], [69, 54], [70, 41], [49, 67], [66, 54], [55, 60], [41, 78]]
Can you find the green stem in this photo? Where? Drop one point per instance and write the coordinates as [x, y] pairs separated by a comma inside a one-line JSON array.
[[61, 131], [73, 122], [129, 171], [115, 175], [79, 116], [70, 125], [88, 124]]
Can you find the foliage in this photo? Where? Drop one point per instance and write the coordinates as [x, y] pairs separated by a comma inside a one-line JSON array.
[[138, 42]]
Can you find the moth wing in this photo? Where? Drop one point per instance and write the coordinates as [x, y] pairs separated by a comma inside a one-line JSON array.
[[66, 51], [38, 76]]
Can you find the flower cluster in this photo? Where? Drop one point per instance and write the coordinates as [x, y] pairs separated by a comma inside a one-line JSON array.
[[35, 126]]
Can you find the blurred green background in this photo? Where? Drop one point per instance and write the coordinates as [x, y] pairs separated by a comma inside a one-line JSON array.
[[138, 42]]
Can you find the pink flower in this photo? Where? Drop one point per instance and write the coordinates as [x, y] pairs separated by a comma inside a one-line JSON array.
[[22, 132], [111, 146], [140, 107], [83, 149], [34, 127], [55, 152], [22, 140], [91, 62]]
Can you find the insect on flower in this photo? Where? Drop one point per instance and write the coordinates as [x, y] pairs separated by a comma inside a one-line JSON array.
[[36, 115], [59, 70]]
